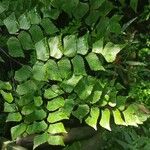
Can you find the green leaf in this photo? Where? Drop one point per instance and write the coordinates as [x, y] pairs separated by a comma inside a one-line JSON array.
[[25, 40], [40, 139], [56, 116], [55, 47], [82, 45], [94, 62], [78, 65], [117, 117], [14, 47], [5, 86], [23, 73], [28, 109], [56, 140], [11, 24], [105, 119], [68, 106], [42, 50], [36, 115], [56, 128], [98, 46], [10, 107], [95, 97], [7, 96], [34, 16], [84, 87], [68, 85], [36, 127], [48, 26], [70, 45], [64, 67], [93, 117], [55, 103], [18, 130], [80, 10], [134, 4], [26, 87], [38, 101], [36, 33], [39, 71], [24, 22], [52, 70], [110, 50], [16, 117], [81, 112]]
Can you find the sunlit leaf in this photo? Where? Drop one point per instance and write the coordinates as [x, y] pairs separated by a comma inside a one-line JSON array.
[[18, 130], [70, 46], [7, 96], [56, 128], [64, 66], [38, 101], [105, 119], [118, 118], [10, 107], [40, 139], [42, 50], [55, 103], [56, 116], [24, 22], [68, 85], [55, 140], [93, 117], [11, 24], [94, 62], [52, 71], [16, 117], [55, 47], [36, 127]]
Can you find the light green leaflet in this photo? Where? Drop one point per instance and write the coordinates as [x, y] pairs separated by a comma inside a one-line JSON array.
[[94, 62], [15, 117], [93, 117], [18, 130], [36, 127], [55, 47], [11, 24], [55, 103], [39, 71], [110, 50], [117, 117], [24, 22], [56, 128], [7, 96], [42, 50], [52, 71], [105, 119], [70, 45]]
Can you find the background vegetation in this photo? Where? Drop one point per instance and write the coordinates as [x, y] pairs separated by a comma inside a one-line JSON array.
[[68, 64]]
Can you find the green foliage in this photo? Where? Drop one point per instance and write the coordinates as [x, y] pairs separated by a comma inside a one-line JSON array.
[[74, 60]]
